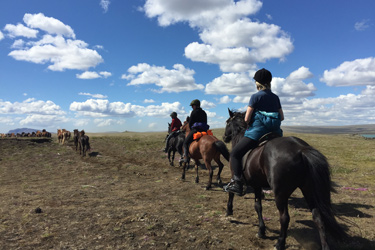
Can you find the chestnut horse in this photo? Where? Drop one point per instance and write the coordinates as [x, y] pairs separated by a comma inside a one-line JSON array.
[[285, 164], [208, 148]]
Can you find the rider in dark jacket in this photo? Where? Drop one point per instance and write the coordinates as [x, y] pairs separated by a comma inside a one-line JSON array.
[[198, 122]]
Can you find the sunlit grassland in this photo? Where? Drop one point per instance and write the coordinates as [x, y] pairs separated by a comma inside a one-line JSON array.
[[352, 157]]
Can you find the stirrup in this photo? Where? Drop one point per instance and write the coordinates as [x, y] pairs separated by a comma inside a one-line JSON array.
[[234, 187]]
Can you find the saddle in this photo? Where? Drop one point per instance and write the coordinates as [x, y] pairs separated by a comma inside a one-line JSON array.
[[198, 135], [267, 137], [263, 140]]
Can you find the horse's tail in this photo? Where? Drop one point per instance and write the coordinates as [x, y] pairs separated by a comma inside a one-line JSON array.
[[222, 149], [319, 172]]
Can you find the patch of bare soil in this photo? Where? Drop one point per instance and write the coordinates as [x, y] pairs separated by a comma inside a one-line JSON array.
[[52, 198]]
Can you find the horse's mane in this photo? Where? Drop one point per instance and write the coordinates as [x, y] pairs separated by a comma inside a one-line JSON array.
[[238, 124]]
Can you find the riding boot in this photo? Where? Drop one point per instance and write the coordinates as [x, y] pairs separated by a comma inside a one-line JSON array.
[[185, 157], [234, 186]]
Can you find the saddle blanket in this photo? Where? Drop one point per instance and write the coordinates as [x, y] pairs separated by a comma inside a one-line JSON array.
[[198, 135]]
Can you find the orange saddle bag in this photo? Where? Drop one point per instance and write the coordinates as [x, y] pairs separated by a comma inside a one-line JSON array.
[[198, 135]]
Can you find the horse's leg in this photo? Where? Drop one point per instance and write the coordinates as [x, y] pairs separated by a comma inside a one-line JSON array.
[[183, 171], [169, 157], [221, 166], [211, 173], [258, 208], [230, 204], [282, 206], [196, 171], [174, 152]]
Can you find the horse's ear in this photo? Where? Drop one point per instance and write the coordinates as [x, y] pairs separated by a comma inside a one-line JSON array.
[[230, 113]]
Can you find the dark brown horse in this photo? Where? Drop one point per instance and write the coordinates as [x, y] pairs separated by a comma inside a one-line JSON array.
[[285, 164], [208, 148], [84, 143], [76, 138], [175, 144]]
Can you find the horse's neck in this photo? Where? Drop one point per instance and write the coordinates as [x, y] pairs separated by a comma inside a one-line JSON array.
[[237, 138]]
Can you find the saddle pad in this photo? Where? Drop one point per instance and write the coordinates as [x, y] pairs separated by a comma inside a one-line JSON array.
[[198, 135]]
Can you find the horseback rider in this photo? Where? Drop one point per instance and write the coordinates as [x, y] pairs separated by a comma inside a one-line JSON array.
[[264, 114], [197, 123], [175, 128]]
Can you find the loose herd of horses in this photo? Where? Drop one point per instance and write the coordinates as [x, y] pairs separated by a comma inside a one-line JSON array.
[[81, 140], [38, 133], [281, 164]]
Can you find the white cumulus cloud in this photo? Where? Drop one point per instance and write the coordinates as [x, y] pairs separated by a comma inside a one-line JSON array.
[[20, 30], [351, 73], [56, 47], [104, 108], [177, 79], [230, 38], [31, 106], [48, 24]]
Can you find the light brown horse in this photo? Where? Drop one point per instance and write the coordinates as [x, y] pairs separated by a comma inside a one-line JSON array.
[[208, 148]]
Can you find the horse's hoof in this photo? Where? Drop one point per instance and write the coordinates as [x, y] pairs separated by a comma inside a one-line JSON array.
[[261, 236], [229, 213], [208, 188]]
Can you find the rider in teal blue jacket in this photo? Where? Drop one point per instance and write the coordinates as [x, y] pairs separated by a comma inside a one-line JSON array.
[[264, 114]]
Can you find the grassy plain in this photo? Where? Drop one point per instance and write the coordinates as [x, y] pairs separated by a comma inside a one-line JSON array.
[[126, 196]]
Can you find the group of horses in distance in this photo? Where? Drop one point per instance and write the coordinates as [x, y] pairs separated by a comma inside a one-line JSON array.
[[81, 140], [281, 164], [38, 133]]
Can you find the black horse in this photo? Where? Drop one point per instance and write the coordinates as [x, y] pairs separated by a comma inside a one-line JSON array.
[[175, 144], [84, 143], [76, 138], [285, 164]]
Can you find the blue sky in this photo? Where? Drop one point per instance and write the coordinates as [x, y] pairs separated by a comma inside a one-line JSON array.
[[116, 65]]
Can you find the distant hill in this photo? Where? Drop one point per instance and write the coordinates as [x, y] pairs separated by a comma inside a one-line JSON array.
[[20, 130], [352, 129]]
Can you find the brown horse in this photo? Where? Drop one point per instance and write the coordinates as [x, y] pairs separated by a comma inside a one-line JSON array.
[[208, 148]]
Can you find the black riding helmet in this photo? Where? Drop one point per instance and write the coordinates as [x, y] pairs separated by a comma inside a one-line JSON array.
[[263, 76]]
